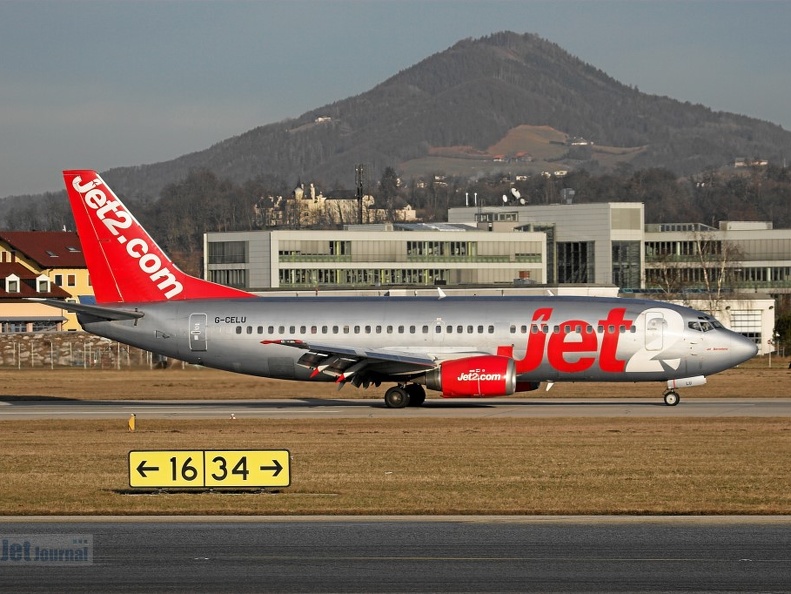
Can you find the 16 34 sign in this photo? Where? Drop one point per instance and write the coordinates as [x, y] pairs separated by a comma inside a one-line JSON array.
[[209, 468]]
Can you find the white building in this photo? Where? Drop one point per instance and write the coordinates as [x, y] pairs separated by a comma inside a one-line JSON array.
[[749, 256], [589, 243], [260, 260]]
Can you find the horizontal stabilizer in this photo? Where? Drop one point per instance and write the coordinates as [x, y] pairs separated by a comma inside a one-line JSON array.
[[97, 311]]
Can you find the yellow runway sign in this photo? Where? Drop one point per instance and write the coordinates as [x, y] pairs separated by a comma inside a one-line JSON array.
[[209, 468]]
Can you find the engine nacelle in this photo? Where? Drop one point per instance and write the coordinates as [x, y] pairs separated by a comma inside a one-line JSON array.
[[485, 375]]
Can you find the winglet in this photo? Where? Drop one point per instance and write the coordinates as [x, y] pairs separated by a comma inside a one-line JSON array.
[[125, 263]]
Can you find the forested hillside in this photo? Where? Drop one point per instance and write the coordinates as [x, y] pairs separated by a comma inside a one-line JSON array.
[[204, 202], [472, 94]]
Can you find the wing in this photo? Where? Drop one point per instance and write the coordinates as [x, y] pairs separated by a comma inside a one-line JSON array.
[[361, 365]]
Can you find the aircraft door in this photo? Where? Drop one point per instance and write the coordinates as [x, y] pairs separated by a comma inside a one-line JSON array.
[[197, 331], [654, 331]]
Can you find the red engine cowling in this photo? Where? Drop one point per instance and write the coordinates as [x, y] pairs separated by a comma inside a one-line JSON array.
[[486, 375]]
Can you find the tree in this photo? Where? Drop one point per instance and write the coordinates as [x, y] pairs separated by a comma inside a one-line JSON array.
[[388, 185]]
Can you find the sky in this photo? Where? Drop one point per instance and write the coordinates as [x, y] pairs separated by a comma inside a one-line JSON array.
[[98, 84]]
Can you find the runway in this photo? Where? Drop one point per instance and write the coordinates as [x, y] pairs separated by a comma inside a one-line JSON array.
[[453, 554], [57, 408]]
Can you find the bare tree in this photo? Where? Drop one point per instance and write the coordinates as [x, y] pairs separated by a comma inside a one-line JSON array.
[[718, 262], [704, 265]]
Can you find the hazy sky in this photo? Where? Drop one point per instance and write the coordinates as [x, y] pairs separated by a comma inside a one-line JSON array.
[[101, 84]]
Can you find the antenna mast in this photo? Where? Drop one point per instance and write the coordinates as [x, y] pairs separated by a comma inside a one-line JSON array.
[[359, 179]]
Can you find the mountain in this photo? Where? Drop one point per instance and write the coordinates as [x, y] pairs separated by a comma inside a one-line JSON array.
[[467, 103]]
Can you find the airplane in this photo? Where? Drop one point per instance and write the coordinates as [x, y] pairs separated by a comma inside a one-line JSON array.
[[459, 346]]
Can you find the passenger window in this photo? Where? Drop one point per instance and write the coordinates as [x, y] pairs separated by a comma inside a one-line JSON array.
[[459, 329], [367, 329], [470, 330], [378, 329], [325, 329], [480, 329], [523, 329], [238, 329], [425, 329], [302, 329], [271, 330], [314, 329], [345, 329], [491, 329], [356, 329], [412, 329], [512, 329], [400, 329], [335, 329], [260, 329], [249, 329], [281, 330], [292, 330], [389, 329], [449, 329]]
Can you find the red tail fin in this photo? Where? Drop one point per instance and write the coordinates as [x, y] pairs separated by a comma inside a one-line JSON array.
[[125, 264]]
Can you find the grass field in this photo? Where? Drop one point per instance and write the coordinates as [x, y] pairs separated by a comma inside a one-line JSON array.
[[404, 466], [418, 466]]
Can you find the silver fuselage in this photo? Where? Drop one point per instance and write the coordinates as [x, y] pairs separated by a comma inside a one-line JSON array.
[[550, 338]]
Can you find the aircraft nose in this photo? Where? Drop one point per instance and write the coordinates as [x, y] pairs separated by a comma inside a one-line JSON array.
[[743, 348]]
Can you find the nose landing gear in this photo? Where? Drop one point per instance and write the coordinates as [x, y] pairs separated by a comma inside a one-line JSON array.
[[671, 397]]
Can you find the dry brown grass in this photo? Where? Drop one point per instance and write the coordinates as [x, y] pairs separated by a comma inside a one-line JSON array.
[[754, 379], [418, 466]]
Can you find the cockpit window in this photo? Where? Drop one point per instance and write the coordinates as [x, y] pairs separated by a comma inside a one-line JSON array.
[[705, 325]]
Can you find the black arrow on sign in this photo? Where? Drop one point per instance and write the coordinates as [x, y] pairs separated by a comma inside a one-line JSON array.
[[142, 468], [277, 467]]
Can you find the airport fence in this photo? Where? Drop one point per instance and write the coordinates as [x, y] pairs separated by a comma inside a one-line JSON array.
[[72, 349]]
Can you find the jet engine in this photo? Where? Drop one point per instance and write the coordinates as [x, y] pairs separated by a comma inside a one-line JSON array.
[[485, 375]]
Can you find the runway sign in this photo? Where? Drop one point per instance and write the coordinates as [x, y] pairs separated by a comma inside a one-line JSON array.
[[209, 468]]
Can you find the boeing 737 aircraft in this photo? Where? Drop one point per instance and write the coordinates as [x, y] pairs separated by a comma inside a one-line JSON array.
[[458, 346]]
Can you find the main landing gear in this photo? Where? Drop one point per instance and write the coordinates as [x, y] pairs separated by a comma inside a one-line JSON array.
[[671, 397], [405, 395]]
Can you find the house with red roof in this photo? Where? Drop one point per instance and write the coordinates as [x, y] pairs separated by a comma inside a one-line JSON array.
[[40, 264]]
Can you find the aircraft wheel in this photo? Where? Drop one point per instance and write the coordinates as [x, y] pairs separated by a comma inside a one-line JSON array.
[[396, 397], [417, 395], [671, 398]]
